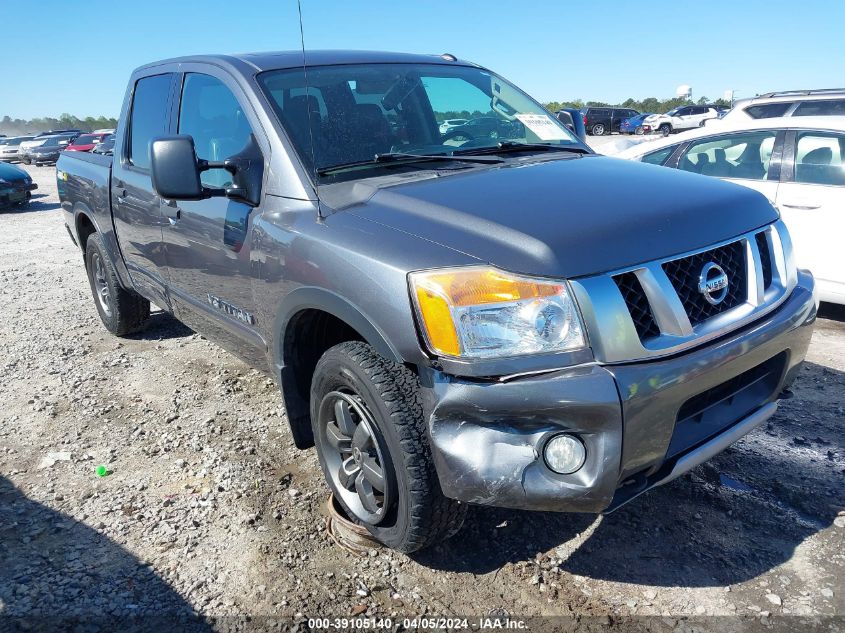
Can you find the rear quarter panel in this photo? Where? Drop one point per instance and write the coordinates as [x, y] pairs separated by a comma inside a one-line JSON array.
[[84, 186]]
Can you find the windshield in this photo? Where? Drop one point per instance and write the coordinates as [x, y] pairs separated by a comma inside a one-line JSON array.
[[673, 112], [358, 111]]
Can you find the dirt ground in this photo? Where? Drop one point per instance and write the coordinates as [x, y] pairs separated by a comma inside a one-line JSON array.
[[209, 509]]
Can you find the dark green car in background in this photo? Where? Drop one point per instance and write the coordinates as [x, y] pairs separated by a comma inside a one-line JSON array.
[[16, 186]]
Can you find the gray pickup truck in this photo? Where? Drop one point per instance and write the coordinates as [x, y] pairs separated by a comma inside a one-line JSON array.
[[504, 318]]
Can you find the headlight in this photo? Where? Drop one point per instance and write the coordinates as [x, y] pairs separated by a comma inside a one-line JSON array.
[[487, 313]]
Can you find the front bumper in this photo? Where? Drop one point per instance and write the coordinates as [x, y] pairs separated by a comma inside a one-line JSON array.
[[487, 436], [51, 157]]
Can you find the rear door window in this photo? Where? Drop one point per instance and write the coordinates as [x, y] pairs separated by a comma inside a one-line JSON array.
[[819, 158], [826, 107], [149, 116]]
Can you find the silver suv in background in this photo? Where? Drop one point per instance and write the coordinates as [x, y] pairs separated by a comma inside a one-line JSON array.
[[825, 102]]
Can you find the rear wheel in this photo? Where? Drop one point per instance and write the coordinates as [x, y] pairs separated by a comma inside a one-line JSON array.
[[371, 440], [121, 311], [598, 129]]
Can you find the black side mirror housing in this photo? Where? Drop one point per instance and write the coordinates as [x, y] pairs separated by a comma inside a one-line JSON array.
[[574, 120], [175, 172]]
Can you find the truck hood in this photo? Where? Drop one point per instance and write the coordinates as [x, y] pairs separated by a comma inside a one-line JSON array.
[[566, 217]]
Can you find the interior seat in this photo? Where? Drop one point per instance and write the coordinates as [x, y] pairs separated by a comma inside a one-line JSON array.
[[816, 167], [749, 165], [720, 167], [371, 130]]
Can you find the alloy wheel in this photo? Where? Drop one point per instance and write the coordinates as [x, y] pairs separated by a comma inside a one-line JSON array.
[[101, 286], [354, 456]]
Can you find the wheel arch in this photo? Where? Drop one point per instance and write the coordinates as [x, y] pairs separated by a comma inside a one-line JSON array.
[[310, 321]]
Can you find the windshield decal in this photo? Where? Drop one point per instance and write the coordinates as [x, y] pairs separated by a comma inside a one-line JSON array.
[[543, 126]]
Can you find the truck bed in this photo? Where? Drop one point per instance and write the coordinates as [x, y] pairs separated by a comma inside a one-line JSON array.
[[83, 180]]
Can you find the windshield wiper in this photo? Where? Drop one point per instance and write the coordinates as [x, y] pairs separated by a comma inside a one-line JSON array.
[[516, 146], [404, 158]]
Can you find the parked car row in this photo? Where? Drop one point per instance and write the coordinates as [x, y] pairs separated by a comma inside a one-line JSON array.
[[44, 148], [681, 118], [797, 163]]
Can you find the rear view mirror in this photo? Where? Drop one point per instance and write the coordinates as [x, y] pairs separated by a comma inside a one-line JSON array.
[[175, 173]]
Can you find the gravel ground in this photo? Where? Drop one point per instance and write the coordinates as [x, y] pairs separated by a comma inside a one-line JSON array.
[[209, 509]]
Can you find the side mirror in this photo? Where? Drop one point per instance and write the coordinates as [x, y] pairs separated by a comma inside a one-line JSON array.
[[175, 172]]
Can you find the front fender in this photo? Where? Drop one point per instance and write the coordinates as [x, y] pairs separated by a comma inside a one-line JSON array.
[[312, 298]]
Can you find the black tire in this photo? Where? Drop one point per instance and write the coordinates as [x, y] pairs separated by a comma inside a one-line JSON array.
[[414, 514], [639, 130], [665, 129], [122, 311], [26, 161], [599, 129]]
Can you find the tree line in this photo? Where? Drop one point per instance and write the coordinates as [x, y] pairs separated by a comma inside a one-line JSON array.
[[13, 127], [649, 104]]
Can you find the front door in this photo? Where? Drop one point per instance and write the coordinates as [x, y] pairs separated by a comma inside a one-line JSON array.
[[741, 157], [137, 212], [207, 241], [811, 200]]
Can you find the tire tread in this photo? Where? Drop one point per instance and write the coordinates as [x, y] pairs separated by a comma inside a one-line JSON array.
[[433, 516]]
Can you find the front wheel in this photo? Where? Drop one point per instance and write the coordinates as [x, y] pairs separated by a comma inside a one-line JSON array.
[[665, 129], [122, 311], [639, 131], [370, 433]]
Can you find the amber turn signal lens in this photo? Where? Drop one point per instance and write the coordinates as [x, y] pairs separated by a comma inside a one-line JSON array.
[[442, 295]]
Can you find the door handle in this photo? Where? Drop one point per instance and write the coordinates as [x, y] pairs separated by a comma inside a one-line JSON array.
[[805, 206], [121, 195]]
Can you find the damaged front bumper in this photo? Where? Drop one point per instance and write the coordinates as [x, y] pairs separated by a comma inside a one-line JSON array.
[[643, 424]]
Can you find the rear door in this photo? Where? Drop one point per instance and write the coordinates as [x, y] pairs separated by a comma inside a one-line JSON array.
[[207, 242], [811, 199], [136, 208]]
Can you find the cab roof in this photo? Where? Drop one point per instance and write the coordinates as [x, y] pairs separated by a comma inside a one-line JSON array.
[[259, 62]]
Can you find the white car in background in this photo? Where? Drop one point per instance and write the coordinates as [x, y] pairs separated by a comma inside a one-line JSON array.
[[448, 124], [10, 147], [790, 103], [679, 119], [798, 163]]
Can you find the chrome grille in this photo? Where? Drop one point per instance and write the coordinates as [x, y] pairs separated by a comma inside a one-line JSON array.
[[634, 295], [656, 309], [684, 274], [765, 258]]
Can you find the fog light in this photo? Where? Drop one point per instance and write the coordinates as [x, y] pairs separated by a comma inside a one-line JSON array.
[[565, 454]]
